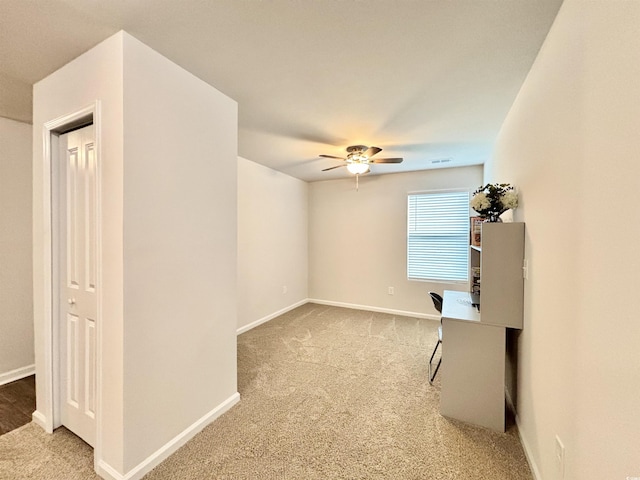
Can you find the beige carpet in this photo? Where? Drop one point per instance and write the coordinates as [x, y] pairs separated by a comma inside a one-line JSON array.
[[327, 393]]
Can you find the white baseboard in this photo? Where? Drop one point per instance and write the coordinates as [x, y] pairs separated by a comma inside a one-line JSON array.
[[335, 304], [40, 420], [106, 471], [391, 311], [17, 374], [270, 317], [527, 452]]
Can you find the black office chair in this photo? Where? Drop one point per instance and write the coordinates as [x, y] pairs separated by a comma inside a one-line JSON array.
[[437, 303]]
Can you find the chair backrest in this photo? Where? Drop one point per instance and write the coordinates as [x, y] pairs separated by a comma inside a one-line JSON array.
[[437, 301]]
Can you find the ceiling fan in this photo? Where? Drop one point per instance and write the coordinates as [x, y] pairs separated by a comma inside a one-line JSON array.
[[359, 158]]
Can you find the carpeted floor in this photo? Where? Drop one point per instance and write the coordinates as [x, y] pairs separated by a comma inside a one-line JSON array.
[[326, 393]]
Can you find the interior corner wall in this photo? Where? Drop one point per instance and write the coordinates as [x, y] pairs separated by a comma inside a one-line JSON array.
[[570, 143], [94, 76], [272, 242], [15, 99], [16, 281], [358, 239], [180, 249]]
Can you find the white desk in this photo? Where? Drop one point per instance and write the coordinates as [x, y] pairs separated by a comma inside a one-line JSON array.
[[473, 365]]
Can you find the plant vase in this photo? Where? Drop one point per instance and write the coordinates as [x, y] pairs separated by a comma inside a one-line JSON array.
[[492, 219]]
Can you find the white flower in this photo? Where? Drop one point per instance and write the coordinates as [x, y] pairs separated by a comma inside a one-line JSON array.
[[510, 199], [480, 202]]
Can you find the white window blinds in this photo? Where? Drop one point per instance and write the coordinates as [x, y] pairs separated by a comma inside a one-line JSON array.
[[438, 236]]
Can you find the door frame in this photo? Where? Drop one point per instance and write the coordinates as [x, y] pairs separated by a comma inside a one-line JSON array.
[[50, 187]]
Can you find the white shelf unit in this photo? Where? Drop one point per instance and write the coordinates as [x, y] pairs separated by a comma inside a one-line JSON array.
[[500, 260]]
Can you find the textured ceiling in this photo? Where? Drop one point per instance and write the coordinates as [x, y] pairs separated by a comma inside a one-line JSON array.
[[426, 80]]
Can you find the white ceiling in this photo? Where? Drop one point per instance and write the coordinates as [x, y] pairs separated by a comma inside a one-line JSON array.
[[423, 79]]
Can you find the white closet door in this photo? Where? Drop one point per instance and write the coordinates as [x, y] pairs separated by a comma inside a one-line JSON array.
[[78, 286]]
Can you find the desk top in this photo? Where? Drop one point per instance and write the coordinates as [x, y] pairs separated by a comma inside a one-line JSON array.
[[457, 306]]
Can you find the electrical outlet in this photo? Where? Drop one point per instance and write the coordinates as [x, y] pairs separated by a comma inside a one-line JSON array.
[[390, 290], [525, 269], [284, 289], [560, 456]]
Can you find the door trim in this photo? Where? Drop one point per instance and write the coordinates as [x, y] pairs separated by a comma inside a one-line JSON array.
[[50, 155]]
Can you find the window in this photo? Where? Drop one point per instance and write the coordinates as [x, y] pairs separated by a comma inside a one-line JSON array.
[[438, 236]]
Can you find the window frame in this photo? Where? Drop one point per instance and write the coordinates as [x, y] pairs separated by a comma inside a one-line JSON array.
[[466, 241]]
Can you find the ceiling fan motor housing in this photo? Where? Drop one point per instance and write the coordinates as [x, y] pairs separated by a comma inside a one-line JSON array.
[[357, 149]]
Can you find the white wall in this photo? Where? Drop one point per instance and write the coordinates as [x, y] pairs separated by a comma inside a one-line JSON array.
[[16, 288], [571, 145], [180, 224], [167, 152], [272, 242], [358, 239]]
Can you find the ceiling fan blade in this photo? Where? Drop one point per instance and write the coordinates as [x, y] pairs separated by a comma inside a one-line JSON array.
[[331, 156], [331, 168], [386, 160], [371, 151]]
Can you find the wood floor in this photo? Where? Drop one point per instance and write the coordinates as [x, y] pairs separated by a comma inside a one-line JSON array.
[[17, 403]]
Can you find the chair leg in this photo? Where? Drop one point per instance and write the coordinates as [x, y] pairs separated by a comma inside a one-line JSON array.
[[435, 372], [431, 377]]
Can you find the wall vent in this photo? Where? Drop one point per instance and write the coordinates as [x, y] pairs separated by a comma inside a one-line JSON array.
[[440, 160]]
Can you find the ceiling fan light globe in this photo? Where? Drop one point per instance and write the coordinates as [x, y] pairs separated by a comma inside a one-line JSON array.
[[358, 168]]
